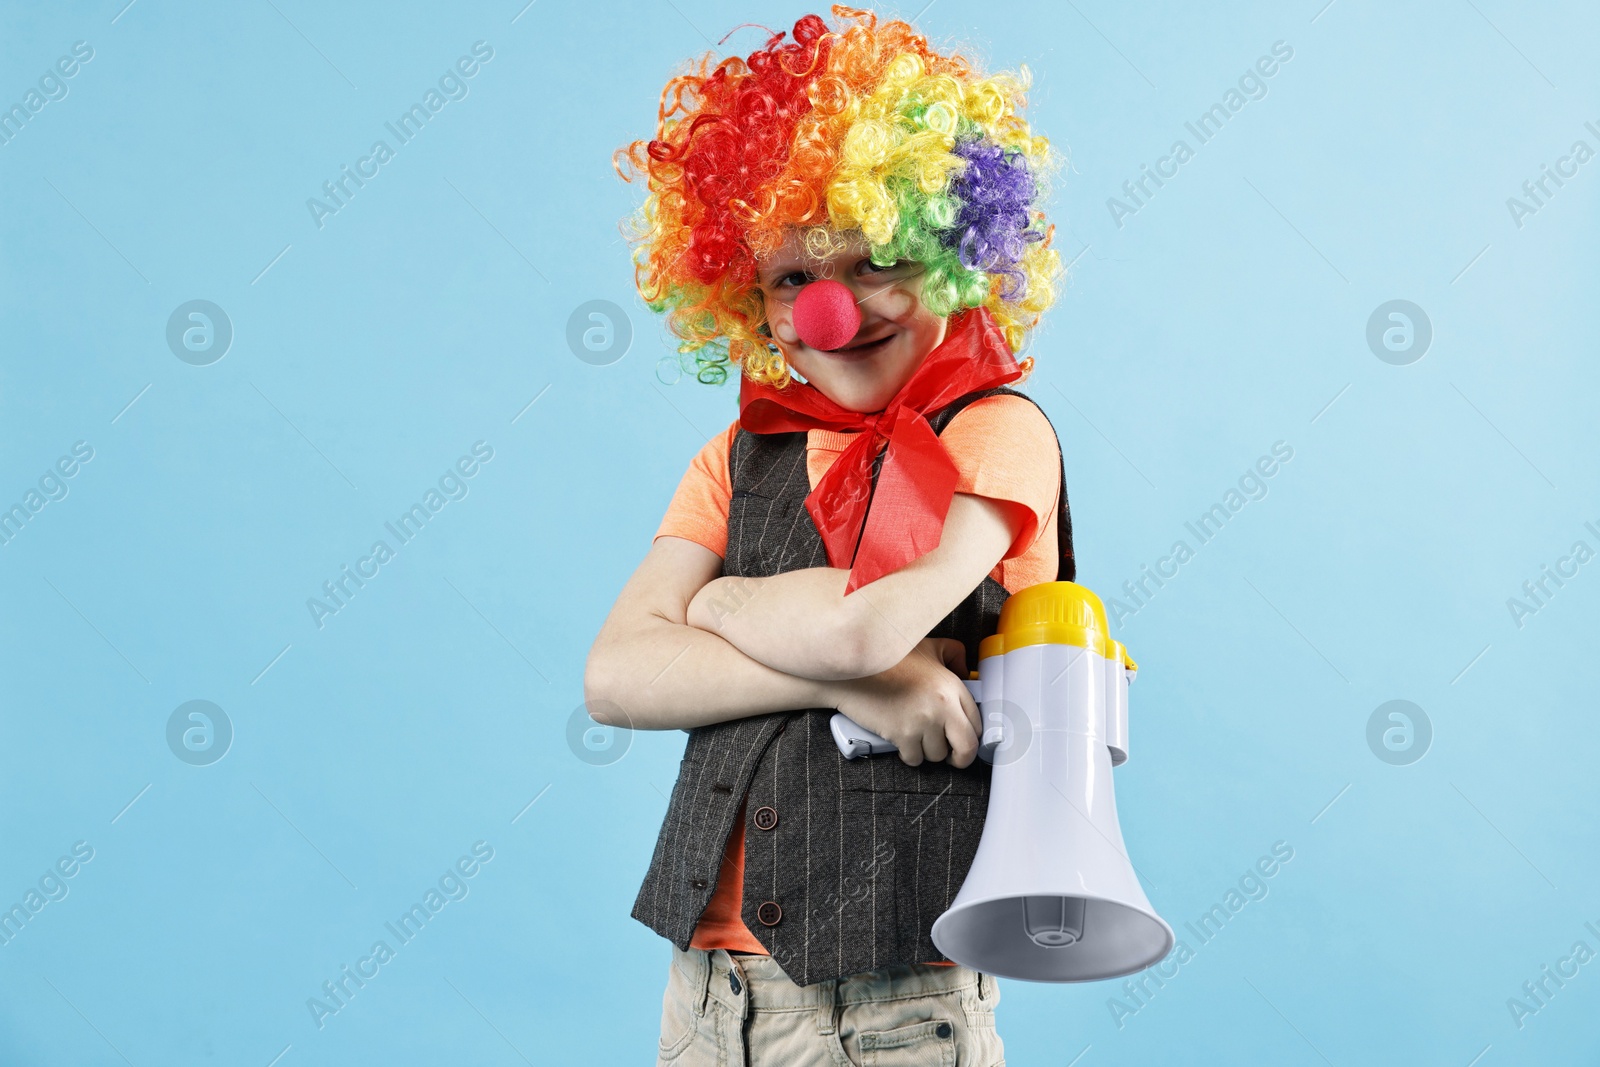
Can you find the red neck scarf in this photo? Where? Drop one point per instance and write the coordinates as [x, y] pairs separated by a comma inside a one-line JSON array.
[[917, 481]]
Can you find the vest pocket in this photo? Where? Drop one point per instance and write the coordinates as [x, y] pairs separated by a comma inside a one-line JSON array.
[[894, 807]]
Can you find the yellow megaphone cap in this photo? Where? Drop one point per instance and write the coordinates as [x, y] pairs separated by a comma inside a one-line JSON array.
[[1061, 613]]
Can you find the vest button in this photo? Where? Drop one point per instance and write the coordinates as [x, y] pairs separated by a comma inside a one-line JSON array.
[[769, 913], [699, 883], [766, 818]]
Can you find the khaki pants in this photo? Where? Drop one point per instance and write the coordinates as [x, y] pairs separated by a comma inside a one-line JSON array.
[[737, 1010]]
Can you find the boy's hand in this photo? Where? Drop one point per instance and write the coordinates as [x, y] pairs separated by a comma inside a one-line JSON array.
[[921, 704]]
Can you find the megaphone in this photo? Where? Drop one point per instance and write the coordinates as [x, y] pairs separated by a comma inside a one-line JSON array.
[[1051, 895]]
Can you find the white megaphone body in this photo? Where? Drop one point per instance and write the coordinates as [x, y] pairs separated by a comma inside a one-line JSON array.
[[1051, 895]]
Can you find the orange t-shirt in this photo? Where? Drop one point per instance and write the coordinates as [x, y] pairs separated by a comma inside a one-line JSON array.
[[1003, 448]]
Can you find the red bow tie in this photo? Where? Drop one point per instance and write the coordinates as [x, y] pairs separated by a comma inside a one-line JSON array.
[[917, 481]]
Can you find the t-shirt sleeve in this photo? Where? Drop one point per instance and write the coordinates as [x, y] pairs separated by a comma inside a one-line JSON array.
[[699, 508], [1005, 449]]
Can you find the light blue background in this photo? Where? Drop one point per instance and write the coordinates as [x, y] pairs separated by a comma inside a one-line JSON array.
[[1227, 314]]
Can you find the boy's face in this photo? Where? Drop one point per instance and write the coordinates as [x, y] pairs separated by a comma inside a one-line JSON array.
[[896, 332]]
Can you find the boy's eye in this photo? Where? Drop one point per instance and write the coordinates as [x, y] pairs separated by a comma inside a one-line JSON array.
[[801, 277]]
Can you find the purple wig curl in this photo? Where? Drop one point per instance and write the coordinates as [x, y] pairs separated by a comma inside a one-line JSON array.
[[992, 229]]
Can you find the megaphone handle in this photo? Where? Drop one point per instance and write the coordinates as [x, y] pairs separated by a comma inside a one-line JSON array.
[[855, 740]]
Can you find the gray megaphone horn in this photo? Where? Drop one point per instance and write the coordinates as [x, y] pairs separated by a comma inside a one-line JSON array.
[[1051, 895]]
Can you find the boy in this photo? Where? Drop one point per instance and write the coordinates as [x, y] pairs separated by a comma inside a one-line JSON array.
[[844, 544]]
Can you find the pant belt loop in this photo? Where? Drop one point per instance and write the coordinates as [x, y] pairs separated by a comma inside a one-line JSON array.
[[702, 991], [827, 1006], [735, 966]]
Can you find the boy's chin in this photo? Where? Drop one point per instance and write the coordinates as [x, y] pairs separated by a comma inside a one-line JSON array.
[[861, 393], [866, 386]]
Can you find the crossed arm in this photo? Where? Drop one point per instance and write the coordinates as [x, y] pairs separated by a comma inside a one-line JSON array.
[[683, 647], [801, 622]]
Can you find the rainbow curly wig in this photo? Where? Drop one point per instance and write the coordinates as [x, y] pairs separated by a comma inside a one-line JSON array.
[[863, 127]]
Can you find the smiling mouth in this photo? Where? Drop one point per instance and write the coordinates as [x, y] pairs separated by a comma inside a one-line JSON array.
[[867, 347]]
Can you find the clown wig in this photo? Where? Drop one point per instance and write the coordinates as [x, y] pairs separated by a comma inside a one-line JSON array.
[[863, 127]]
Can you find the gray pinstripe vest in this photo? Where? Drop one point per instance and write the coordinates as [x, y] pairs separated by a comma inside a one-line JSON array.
[[847, 862]]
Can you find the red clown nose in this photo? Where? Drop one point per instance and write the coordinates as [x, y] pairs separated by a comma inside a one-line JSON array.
[[826, 316]]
